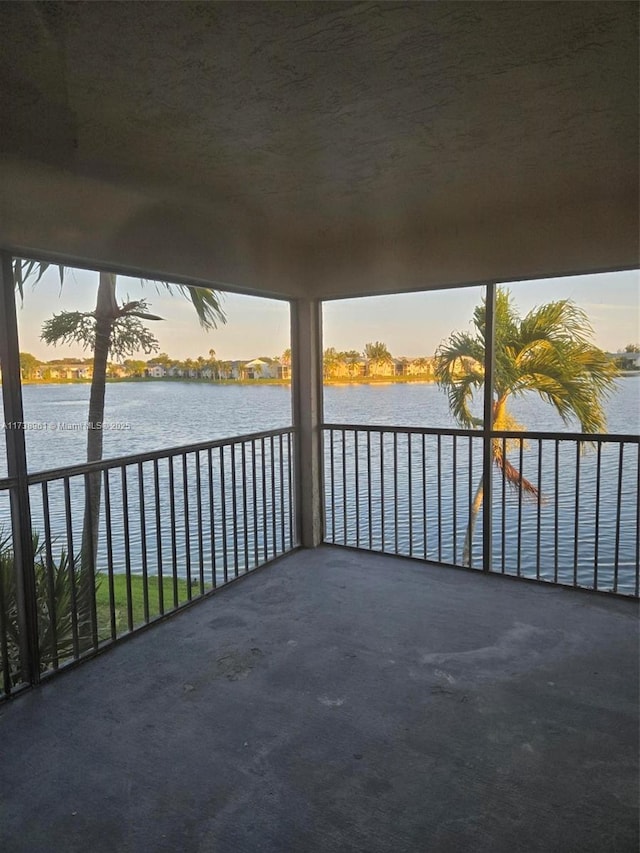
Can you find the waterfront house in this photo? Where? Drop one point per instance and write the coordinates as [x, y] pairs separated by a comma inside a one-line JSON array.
[[359, 692], [259, 368], [157, 371]]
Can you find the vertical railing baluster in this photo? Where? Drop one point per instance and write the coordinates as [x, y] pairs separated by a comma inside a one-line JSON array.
[[290, 486], [333, 484], [395, 492], [382, 488], [281, 470], [254, 481], [274, 526], [439, 475], [556, 503], [470, 496], [454, 492], [616, 564], [199, 521], [245, 511], [370, 490], [127, 545], [265, 537], [596, 542], [212, 519], [357, 484], [234, 508], [52, 602], [520, 478], [107, 523], [637, 579], [158, 514], [503, 542], [539, 510], [174, 543], [424, 495], [344, 486], [71, 567], [187, 524], [143, 544], [223, 513], [410, 491], [576, 517]]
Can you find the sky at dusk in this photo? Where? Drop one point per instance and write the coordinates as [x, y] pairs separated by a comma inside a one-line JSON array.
[[410, 324]]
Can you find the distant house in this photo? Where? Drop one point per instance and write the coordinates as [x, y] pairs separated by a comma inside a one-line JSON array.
[[230, 369], [258, 368], [175, 371], [69, 370], [381, 368], [155, 370], [423, 366], [282, 369]]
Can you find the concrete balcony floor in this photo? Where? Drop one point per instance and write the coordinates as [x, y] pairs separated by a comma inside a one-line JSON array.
[[340, 701]]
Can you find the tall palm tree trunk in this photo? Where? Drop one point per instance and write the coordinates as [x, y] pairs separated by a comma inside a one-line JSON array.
[[106, 313], [473, 517]]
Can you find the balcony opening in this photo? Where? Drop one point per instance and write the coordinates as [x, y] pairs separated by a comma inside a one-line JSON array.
[[410, 467], [180, 481]]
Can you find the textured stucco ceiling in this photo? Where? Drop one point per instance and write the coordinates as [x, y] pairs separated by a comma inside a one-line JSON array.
[[305, 122]]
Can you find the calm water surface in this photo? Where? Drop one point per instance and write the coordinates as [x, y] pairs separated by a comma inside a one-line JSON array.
[[158, 415], [155, 415]]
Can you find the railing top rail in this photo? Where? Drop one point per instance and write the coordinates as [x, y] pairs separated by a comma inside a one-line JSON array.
[[598, 437], [616, 438], [7, 483], [402, 429], [136, 458]]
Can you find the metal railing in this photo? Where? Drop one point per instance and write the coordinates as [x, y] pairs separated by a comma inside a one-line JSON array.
[[171, 526], [564, 507]]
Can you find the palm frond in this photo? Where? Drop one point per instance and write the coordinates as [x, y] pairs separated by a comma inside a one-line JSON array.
[[206, 302], [23, 270]]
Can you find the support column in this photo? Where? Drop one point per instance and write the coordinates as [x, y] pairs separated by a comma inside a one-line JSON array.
[[17, 471], [306, 368], [487, 437]]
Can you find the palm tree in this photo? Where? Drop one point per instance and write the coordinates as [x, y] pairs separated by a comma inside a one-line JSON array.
[[114, 329], [377, 356], [548, 352], [330, 361], [353, 359], [378, 352], [423, 365], [214, 364]]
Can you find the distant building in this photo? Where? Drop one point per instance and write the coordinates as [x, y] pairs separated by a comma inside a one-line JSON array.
[[155, 370], [258, 368], [626, 360], [68, 370]]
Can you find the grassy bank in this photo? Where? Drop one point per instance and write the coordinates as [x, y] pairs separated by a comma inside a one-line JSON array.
[[120, 600]]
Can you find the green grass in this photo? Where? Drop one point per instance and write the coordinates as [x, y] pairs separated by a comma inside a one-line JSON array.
[[120, 600]]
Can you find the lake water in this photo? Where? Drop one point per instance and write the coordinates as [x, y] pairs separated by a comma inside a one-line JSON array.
[[146, 416], [150, 416]]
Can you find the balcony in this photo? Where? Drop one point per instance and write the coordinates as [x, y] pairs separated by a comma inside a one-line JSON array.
[[340, 700], [331, 677]]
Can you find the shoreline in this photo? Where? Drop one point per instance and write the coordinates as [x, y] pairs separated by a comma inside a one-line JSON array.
[[342, 381], [360, 380]]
